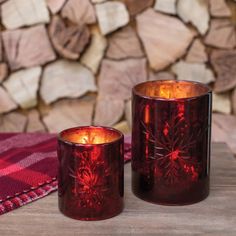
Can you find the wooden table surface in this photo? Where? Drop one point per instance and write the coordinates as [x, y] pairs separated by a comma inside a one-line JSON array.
[[214, 216]]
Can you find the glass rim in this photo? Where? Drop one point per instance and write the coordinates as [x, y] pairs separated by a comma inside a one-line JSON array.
[[63, 140], [137, 93]]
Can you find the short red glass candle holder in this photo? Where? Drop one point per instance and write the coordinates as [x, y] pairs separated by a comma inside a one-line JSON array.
[[171, 141], [91, 172]]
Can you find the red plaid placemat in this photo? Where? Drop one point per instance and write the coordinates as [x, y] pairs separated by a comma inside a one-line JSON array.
[[28, 167]]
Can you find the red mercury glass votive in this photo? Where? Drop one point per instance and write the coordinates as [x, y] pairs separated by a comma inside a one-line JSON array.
[[171, 141], [91, 172]]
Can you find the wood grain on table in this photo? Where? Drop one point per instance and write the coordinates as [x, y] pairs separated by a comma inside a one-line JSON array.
[[214, 216]]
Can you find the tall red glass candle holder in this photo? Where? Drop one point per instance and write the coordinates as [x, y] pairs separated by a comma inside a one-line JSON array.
[[91, 172], [171, 141]]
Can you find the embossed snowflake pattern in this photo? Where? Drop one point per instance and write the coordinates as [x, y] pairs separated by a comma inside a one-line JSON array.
[[171, 148], [91, 179]]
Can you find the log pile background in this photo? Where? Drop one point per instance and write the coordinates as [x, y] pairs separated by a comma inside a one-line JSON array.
[[66, 63]]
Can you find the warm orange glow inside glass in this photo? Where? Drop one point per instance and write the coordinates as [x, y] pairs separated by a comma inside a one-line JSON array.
[[171, 89], [90, 135]]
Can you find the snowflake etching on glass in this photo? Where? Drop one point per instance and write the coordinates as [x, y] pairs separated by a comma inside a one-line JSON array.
[[90, 179], [171, 147], [171, 136]]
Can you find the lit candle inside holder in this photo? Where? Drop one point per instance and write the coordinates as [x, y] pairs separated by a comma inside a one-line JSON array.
[[171, 144], [91, 172]]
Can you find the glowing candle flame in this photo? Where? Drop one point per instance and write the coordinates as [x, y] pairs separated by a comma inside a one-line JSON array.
[[91, 136]]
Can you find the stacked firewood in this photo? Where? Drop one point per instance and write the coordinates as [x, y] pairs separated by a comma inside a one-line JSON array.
[[65, 63]]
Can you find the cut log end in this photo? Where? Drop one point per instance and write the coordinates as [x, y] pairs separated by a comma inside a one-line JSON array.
[[68, 39]]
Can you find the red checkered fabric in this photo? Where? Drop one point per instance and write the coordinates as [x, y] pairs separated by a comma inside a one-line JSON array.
[[28, 167]]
